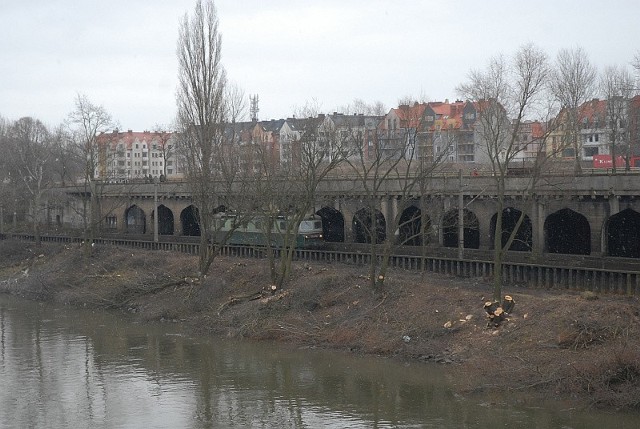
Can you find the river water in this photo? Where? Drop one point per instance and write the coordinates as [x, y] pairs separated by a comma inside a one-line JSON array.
[[67, 368]]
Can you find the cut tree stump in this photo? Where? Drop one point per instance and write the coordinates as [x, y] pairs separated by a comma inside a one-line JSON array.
[[508, 303]]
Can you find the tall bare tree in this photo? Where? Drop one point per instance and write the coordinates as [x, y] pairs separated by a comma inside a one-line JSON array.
[[205, 111], [573, 82], [507, 93]]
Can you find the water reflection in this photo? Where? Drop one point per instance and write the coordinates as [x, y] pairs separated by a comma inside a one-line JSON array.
[[61, 367]]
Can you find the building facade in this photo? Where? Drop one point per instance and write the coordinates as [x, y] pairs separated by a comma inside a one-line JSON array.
[[135, 155]]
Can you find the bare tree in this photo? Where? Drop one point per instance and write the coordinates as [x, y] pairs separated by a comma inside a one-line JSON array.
[[573, 82], [31, 157], [236, 102], [392, 152], [318, 156], [617, 87], [67, 164], [165, 146], [310, 109], [85, 123], [360, 107], [507, 93], [205, 110], [6, 200]]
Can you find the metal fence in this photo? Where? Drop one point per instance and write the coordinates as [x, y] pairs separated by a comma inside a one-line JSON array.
[[555, 275]]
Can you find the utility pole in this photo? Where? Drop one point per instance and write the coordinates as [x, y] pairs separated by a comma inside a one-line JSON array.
[[155, 209], [460, 219]]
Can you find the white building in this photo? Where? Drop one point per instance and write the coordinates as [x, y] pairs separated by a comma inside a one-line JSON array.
[[131, 155]]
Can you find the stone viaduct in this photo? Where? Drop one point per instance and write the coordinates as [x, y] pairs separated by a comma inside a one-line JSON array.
[[596, 214]]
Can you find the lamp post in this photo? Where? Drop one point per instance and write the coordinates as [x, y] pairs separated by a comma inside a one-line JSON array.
[[155, 210]]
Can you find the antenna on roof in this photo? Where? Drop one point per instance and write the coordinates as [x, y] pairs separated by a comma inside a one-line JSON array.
[[254, 109]]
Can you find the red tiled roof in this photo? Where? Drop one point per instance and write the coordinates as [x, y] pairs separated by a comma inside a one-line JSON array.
[[593, 110], [449, 115], [128, 138], [410, 115]]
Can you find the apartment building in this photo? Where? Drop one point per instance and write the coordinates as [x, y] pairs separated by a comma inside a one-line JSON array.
[[132, 155]]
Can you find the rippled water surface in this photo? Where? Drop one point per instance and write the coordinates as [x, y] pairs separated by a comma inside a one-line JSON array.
[[62, 367]]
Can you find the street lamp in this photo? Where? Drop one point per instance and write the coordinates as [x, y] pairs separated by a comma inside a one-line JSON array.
[[155, 210]]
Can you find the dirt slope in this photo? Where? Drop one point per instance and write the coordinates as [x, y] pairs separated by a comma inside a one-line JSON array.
[[575, 346]]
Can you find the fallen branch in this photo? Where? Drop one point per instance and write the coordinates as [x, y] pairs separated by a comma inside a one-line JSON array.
[[140, 291], [234, 300]]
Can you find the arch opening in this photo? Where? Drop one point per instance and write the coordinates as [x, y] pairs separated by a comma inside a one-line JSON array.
[[623, 234], [190, 221], [165, 220], [523, 240], [136, 220], [567, 232], [368, 226], [332, 224], [410, 227], [451, 225]]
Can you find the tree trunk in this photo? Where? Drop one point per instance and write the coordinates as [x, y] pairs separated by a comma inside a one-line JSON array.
[[498, 256]]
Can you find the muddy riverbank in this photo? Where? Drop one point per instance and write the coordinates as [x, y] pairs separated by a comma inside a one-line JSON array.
[[582, 348]]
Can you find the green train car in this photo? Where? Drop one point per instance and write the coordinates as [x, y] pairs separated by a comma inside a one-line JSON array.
[[255, 232]]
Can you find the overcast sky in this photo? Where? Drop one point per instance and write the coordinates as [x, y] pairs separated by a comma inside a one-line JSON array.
[[122, 53]]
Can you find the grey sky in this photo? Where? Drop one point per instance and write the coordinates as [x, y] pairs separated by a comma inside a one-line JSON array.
[[121, 53]]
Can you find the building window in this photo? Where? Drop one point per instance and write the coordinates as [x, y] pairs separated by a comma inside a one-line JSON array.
[[590, 151]]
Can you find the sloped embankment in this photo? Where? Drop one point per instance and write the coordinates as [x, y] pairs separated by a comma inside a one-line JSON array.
[[563, 344]]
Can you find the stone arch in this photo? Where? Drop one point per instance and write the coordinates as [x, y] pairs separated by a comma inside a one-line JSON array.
[[523, 241], [136, 221], [332, 224], [450, 227], [165, 220], [190, 221], [623, 234], [365, 224], [567, 231], [410, 227]]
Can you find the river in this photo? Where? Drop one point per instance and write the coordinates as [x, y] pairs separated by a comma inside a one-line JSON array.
[[62, 367]]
